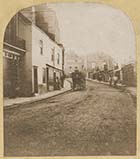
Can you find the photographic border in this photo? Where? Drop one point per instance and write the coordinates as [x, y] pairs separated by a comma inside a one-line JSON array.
[[128, 7]]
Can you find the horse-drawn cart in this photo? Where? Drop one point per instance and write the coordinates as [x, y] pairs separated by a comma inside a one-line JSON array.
[[78, 80]]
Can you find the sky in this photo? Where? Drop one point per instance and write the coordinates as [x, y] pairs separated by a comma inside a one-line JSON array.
[[92, 28]]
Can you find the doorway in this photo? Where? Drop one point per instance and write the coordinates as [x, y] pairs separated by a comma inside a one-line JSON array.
[[35, 79], [54, 80], [47, 78]]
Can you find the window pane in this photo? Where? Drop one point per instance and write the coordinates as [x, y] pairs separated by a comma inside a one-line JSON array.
[[41, 47]]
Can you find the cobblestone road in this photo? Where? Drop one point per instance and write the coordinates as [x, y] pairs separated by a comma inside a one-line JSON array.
[[98, 121]]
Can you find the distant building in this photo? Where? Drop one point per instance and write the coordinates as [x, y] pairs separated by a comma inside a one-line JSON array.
[[32, 60], [129, 74], [99, 62], [72, 60], [103, 65]]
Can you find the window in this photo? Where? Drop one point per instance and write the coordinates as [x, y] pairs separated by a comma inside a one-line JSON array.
[[43, 76], [58, 58], [41, 47], [52, 55]]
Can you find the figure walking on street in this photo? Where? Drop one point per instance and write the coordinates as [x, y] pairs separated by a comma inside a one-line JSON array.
[[110, 80], [115, 80]]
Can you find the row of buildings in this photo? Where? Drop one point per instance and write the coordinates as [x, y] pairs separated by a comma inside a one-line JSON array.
[[32, 54], [102, 66]]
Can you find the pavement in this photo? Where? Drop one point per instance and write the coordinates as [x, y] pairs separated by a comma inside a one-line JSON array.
[[67, 86], [26, 100], [131, 90]]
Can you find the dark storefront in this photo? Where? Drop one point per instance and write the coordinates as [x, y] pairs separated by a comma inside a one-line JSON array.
[[52, 74], [14, 48], [11, 74]]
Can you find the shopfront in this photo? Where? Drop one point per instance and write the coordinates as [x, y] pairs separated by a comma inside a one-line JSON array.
[[11, 73]]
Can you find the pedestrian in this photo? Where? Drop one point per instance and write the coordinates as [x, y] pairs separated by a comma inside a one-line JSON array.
[[82, 80], [62, 78], [57, 84], [110, 80], [73, 79], [115, 80]]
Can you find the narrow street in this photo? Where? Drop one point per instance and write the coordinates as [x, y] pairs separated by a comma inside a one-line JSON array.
[[98, 121]]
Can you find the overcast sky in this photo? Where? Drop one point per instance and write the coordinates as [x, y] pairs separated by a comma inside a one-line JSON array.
[[90, 28]]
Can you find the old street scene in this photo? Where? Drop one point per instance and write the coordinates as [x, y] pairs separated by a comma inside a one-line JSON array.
[[69, 73]]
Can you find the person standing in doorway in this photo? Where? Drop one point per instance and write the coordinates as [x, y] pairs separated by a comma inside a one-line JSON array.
[[57, 84], [62, 78]]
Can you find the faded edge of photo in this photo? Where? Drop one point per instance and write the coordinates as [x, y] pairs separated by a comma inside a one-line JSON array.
[[93, 66]]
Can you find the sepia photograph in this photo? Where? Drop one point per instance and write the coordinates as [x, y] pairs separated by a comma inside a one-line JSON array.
[[69, 81]]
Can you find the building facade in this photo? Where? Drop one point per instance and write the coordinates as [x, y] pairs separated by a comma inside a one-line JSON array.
[[16, 56], [47, 61], [72, 61], [31, 59], [129, 74], [99, 64]]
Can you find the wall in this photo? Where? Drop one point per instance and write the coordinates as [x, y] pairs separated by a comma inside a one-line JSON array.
[[129, 75], [40, 60], [26, 62], [15, 70]]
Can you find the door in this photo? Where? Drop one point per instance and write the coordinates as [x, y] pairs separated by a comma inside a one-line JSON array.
[[54, 80], [47, 78], [35, 80]]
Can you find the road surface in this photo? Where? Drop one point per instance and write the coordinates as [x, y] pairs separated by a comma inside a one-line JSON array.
[[98, 121]]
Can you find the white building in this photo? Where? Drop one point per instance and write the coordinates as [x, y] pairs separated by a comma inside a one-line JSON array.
[[47, 60]]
